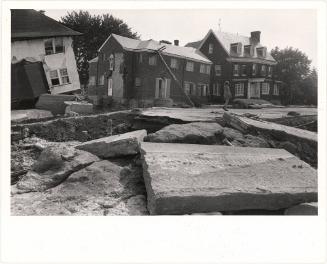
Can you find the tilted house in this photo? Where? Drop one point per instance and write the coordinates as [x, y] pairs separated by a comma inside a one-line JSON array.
[[128, 69], [36, 38], [241, 60]]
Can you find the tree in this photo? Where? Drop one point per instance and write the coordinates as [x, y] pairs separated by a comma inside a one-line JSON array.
[[293, 68], [96, 29]]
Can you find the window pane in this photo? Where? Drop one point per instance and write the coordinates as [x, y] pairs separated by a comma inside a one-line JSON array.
[[48, 47], [59, 45], [63, 72], [65, 79], [53, 74]]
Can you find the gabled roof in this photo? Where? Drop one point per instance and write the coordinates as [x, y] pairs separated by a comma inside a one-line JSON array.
[[31, 24], [226, 39], [152, 45]]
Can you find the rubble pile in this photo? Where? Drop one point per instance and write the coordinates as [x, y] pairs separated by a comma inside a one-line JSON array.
[[120, 164]]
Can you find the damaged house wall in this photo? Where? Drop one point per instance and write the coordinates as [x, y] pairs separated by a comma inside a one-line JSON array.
[[35, 48]]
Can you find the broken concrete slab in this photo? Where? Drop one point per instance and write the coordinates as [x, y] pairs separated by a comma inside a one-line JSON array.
[[306, 141], [29, 115], [303, 209], [186, 178], [196, 133], [54, 102], [115, 146], [102, 188], [78, 107], [81, 128], [52, 167]]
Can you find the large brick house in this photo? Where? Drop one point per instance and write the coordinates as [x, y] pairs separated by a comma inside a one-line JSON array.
[[241, 60], [144, 71]]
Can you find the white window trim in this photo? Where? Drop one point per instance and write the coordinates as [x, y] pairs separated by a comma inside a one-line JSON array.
[[238, 70], [239, 89], [190, 66], [265, 88], [59, 77], [53, 40], [254, 69], [111, 62]]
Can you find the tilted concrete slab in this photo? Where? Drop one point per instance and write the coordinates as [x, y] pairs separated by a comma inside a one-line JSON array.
[[115, 146], [188, 178]]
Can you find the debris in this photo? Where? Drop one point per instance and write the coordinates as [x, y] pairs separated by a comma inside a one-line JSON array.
[[78, 107], [293, 113], [53, 166], [18, 116], [221, 178], [226, 142], [54, 103], [115, 146], [303, 209], [102, 188], [192, 133], [69, 128]]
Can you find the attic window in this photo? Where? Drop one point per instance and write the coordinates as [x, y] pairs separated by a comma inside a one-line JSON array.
[[262, 52], [111, 62], [54, 45], [210, 51], [248, 50], [236, 48]]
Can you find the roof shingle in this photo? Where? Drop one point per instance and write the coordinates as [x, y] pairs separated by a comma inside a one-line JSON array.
[[31, 24]]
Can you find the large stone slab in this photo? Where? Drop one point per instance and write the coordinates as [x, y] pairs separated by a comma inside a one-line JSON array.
[[115, 146], [53, 166], [303, 209], [196, 133], [186, 178], [102, 188]]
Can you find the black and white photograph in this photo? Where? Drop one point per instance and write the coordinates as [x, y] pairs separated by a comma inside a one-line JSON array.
[[202, 113]]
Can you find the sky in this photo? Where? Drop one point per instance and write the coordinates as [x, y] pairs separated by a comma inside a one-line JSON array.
[[279, 27]]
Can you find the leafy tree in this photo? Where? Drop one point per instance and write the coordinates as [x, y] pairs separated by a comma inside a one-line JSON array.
[[96, 29], [293, 69]]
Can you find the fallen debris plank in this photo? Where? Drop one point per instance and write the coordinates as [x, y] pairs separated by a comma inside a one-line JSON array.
[[29, 114], [188, 178], [283, 132], [115, 146]]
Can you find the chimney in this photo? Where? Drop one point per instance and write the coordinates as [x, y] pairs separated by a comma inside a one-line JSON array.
[[176, 42], [255, 36]]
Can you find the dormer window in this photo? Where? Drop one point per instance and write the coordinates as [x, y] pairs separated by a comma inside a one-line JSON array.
[[262, 52], [248, 50], [210, 51], [236, 48]]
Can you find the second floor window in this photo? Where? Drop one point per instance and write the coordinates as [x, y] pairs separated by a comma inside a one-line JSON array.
[[208, 67], [153, 60], [140, 57], [263, 70], [210, 51], [236, 70], [218, 70], [202, 68], [254, 69], [269, 71], [243, 70], [111, 62], [54, 45], [173, 63], [189, 66]]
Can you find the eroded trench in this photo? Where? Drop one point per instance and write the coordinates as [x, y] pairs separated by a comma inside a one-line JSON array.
[[123, 192]]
